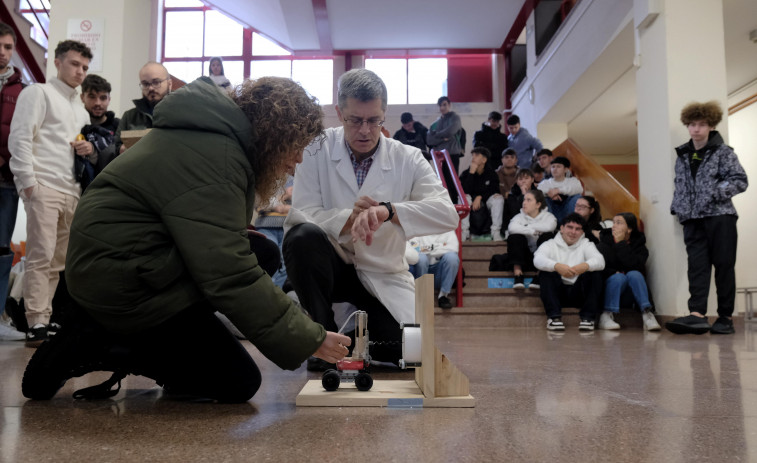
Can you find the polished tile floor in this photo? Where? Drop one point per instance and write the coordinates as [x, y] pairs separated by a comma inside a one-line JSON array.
[[605, 397]]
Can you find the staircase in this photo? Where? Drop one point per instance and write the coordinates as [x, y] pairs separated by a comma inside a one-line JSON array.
[[29, 54]]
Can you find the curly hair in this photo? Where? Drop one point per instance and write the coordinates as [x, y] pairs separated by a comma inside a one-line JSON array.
[[65, 46], [709, 112], [95, 83], [285, 119]]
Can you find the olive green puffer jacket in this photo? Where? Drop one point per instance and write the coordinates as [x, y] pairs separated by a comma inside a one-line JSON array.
[[164, 227]]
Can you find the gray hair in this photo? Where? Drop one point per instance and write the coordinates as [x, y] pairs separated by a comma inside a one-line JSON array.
[[362, 85]]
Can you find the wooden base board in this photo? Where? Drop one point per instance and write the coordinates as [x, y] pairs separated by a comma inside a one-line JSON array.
[[384, 393]]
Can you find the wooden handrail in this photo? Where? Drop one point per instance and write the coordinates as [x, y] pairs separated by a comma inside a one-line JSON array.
[[742, 104], [438, 159], [612, 196]]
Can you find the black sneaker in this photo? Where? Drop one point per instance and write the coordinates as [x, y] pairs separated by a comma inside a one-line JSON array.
[[690, 324], [70, 353], [586, 325], [518, 282], [722, 325], [534, 282], [444, 302], [316, 364], [36, 335], [53, 328]]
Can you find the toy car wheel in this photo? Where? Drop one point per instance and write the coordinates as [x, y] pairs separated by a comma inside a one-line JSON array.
[[363, 382], [331, 380]]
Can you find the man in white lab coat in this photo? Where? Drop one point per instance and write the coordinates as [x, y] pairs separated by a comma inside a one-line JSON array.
[[358, 197]]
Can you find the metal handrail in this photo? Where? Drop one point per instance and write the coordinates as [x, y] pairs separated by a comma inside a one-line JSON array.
[[748, 302], [438, 160]]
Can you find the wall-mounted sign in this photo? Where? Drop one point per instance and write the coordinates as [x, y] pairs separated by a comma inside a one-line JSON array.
[[91, 32]]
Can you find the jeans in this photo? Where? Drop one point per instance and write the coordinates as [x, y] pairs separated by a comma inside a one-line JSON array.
[[277, 236], [620, 283], [8, 212], [444, 270], [560, 209]]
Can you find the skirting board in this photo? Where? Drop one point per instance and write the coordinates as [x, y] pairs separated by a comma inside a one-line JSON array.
[[384, 393]]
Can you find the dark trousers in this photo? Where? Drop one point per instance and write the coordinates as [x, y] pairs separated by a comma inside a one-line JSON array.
[[518, 252], [584, 293], [320, 277], [711, 242]]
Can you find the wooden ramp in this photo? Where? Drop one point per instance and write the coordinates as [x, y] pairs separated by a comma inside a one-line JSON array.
[[438, 383]]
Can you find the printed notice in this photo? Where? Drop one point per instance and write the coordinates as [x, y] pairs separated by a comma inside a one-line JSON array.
[[90, 32]]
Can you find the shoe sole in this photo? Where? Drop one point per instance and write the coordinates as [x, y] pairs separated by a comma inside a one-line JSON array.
[[680, 328], [654, 328], [34, 343], [729, 331], [533, 286], [519, 286]]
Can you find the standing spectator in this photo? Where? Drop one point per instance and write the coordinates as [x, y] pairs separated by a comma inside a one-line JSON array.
[[103, 124], [570, 274], [624, 248], [438, 255], [155, 83], [445, 132], [491, 137], [215, 68], [561, 191], [506, 171], [708, 175], [43, 143], [522, 142], [412, 133], [481, 186], [10, 82], [525, 231]]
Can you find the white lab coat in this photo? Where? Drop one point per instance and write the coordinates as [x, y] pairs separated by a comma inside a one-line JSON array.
[[325, 190]]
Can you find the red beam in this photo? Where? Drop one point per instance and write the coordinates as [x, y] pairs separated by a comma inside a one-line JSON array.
[[22, 48]]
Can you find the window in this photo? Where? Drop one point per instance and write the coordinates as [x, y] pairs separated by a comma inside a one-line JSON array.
[[187, 53], [411, 80], [37, 12]]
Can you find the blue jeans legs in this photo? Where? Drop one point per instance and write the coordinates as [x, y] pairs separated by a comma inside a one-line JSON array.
[[619, 283]]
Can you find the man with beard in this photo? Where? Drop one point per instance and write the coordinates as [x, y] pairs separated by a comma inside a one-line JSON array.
[[155, 83], [95, 94]]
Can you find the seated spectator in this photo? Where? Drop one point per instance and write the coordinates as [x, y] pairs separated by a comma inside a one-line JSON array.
[[506, 172], [539, 174], [491, 137], [624, 248], [522, 142], [544, 160], [525, 229], [562, 192], [270, 222], [438, 255], [588, 208], [570, 267], [481, 186], [524, 182], [412, 133]]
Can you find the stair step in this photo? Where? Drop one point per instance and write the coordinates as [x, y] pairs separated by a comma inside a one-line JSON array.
[[483, 250]]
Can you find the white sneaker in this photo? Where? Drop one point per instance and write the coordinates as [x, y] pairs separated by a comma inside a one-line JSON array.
[[607, 322], [8, 333], [650, 322], [496, 236], [465, 235]]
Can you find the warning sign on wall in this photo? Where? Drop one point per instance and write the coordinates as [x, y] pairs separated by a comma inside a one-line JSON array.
[[91, 32]]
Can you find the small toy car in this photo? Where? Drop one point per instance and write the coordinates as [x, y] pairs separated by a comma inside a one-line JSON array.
[[357, 367]]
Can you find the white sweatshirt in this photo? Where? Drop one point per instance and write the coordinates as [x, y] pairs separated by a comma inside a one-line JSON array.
[[47, 118], [569, 186], [532, 227], [435, 246], [556, 251]]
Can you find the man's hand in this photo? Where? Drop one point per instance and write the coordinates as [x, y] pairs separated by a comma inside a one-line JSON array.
[[333, 348], [565, 271], [476, 203], [28, 192], [554, 194], [122, 149], [83, 147], [580, 269], [360, 205], [367, 222]]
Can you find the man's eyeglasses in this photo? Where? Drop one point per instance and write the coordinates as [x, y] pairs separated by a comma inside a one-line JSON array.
[[144, 85], [357, 122]]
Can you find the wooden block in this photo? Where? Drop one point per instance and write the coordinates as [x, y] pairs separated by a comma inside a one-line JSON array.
[[129, 137], [449, 381], [384, 393], [424, 314]]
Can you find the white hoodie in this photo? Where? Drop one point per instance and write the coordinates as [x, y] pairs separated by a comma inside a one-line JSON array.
[[532, 227], [556, 251]]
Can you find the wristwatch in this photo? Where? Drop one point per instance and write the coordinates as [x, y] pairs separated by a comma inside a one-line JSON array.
[[388, 205]]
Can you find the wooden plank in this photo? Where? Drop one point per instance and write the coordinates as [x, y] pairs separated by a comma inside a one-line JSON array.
[[424, 314], [130, 137], [449, 381], [384, 393]]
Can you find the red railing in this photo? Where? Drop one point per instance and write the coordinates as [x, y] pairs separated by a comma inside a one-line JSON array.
[[439, 159]]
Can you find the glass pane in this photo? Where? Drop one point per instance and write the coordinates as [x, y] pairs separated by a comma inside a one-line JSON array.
[[234, 71], [261, 46], [182, 38], [184, 70], [183, 3], [34, 4], [37, 32], [317, 77], [223, 35], [394, 74], [427, 80], [280, 68]]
